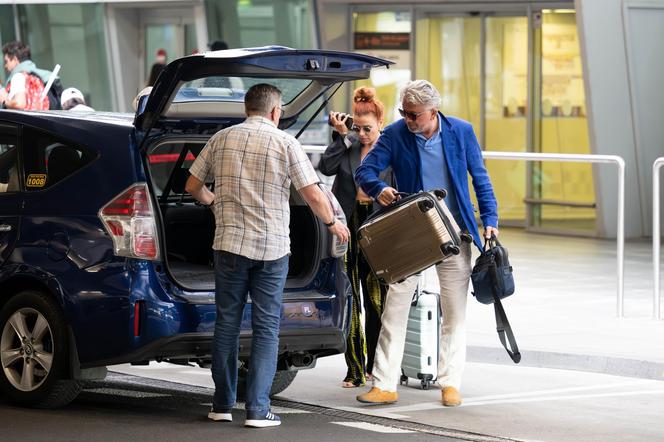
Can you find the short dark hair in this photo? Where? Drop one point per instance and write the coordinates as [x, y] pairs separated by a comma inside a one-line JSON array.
[[16, 49], [218, 45], [261, 99]]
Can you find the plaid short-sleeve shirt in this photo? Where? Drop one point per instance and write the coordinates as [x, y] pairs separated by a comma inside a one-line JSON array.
[[253, 165]]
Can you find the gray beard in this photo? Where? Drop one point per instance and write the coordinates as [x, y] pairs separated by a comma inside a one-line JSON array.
[[414, 131]]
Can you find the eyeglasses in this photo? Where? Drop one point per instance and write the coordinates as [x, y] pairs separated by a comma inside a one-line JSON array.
[[358, 129], [411, 115]]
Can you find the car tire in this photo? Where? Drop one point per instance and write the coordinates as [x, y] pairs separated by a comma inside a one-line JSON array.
[[282, 380], [34, 352]]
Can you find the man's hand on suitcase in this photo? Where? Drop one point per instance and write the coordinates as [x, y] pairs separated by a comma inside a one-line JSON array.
[[490, 231], [340, 231], [388, 196]]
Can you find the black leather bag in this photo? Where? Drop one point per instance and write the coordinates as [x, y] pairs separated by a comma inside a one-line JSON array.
[[492, 281], [492, 275]]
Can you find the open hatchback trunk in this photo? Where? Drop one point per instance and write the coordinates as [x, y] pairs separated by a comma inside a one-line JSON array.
[[199, 95]]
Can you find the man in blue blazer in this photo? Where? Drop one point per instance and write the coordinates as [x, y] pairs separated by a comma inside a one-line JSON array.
[[426, 151]]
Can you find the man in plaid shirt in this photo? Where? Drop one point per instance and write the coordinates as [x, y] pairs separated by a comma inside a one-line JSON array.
[[253, 165]]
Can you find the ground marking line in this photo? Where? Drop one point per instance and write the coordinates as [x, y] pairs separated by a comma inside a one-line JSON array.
[[374, 427], [562, 398], [373, 411], [500, 397]]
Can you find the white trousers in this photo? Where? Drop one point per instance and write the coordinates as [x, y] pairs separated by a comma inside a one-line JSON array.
[[454, 277]]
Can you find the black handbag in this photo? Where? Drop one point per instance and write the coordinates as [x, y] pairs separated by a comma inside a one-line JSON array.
[[492, 281]]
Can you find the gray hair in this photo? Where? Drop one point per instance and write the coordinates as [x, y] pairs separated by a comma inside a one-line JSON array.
[[261, 98], [420, 92]]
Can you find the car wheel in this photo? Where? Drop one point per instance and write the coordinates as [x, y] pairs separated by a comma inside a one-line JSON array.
[[282, 380], [34, 352]]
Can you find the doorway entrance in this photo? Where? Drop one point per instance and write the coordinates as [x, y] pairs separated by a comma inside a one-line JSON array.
[[515, 73], [137, 31]]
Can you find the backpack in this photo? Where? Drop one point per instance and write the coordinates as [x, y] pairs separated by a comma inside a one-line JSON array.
[[54, 93], [33, 89]]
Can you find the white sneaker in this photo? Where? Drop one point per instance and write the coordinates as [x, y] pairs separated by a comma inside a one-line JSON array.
[[220, 415], [256, 419]]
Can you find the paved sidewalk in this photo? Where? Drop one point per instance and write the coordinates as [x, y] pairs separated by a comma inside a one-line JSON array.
[[563, 312], [564, 316]]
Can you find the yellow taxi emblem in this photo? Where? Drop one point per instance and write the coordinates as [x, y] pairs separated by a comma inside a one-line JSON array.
[[36, 180]]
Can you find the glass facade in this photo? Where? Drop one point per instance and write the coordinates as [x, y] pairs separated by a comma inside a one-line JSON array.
[[480, 64], [71, 35], [247, 23], [566, 189], [387, 35]]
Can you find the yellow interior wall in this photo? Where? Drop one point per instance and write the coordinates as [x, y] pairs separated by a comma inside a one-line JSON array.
[[447, 54]]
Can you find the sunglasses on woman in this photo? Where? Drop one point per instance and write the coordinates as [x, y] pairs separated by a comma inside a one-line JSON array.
[[359, 129]]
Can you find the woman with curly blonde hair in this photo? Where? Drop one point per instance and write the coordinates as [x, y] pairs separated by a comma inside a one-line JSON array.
[[341, 158]]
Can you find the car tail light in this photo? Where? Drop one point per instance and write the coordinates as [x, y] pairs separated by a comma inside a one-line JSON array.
[[129, 220], [337, 248]]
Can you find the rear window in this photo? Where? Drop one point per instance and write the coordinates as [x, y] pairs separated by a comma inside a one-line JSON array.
[[48, 160], [232, 89], [169, 171]]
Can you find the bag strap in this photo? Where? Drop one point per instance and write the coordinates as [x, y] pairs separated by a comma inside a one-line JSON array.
[[504, 329], [503, 326]]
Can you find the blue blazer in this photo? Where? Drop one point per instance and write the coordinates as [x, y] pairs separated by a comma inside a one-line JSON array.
[[397, 148]]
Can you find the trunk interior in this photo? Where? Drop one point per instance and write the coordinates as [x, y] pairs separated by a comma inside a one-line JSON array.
[[188, 228], [189, 232]]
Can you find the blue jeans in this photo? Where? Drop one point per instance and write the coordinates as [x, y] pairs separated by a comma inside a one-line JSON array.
[[236, 276]]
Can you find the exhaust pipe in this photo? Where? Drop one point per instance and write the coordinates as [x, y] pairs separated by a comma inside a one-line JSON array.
[[302, 360]]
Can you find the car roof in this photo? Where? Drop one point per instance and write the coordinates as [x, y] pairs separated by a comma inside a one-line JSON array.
[[112, 118]]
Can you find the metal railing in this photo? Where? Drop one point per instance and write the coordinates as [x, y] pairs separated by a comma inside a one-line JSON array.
[[571, 158], [659, 162]]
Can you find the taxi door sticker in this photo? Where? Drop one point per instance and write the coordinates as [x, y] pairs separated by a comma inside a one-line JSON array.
[[36, 180]]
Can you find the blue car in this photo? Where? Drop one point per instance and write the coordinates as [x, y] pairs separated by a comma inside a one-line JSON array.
[[105, 259]]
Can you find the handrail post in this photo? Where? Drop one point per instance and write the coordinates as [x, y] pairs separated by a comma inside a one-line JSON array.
[[657, 165], [620, 238]]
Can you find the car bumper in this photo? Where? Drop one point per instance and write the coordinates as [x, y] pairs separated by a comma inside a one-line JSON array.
[[320, 342]]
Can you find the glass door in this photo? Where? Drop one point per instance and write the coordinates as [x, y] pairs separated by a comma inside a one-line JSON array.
[[479, 63], [516, 76], [166, 37]]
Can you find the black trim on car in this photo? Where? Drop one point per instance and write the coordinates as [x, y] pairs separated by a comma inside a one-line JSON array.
[[318, 342]]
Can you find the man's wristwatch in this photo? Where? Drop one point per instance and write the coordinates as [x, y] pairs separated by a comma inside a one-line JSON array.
[[331, 223]]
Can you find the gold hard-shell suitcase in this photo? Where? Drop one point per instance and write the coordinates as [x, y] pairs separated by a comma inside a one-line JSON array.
[[410, 235]]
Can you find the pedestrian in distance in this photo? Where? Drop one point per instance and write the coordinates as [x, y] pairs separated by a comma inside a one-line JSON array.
[[253, 165], [24, 87], [341, 158], [73, 100], [428, 150], [158, 66]]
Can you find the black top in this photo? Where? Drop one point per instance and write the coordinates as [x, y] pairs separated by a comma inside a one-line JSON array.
[[342, 161]]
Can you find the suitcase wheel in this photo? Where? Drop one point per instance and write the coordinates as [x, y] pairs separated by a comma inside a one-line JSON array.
[[425, 205], [403, 380], [425, 384], [440, 193], [450, 249]]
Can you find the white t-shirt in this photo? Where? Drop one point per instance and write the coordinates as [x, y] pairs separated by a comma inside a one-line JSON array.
[[16, 85]]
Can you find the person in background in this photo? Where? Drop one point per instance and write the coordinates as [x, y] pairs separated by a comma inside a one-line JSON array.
[[427, 151], [25, 83], [341, 158], [218, 45], [253, 165], [73, 100], [157, 67]]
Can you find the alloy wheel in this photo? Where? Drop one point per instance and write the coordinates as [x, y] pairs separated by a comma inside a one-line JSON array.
[[26, 349]]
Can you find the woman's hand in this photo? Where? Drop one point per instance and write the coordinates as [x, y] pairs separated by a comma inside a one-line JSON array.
[[338, 121]]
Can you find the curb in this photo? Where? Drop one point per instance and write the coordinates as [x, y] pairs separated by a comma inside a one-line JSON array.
[[570, 361]]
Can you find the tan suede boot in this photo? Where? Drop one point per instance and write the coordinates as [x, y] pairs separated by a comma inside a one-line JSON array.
[[378, 396], [451, 397]]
